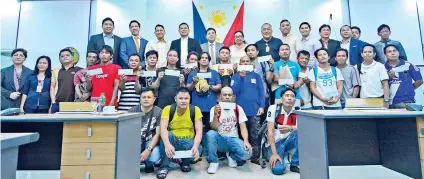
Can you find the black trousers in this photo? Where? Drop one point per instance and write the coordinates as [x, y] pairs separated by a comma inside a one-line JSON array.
[[253, 127]]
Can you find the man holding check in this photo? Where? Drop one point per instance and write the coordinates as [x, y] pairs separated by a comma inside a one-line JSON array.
[[204, 83], [181, 132], [226, 120], [169, 79], [247, 86], [284, 78]]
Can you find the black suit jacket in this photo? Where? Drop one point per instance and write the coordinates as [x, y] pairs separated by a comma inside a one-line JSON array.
[[8, 86], [96, 42], [333, 46], [193, 45]]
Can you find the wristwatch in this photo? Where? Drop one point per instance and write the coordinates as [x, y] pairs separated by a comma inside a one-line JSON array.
[[149, 149], [386, 100]]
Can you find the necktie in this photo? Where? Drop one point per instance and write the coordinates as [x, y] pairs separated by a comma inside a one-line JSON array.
[[137, 44], [212, 53]]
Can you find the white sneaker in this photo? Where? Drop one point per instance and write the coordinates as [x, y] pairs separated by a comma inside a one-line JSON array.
[[213, 167], [232, 163]]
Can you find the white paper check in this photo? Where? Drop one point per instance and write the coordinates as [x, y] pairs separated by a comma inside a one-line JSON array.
[[172, 73], [401, 68], [189, 65], [183, 154], [227, 105], [264, 58], [285, 81], [96, 71], [245, 68], [225, 66], [125, 72], [302, 75], [149, 74], [203, 76]]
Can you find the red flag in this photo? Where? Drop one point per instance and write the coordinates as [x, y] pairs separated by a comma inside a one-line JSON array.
[[237, 25]]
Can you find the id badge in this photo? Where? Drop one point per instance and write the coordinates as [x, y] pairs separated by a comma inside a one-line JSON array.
[[253, 81], [267, 48], [39, 88]]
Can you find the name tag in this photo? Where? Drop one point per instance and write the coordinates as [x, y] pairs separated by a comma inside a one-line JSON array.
[[149, 74], [203, 76], [125, 72], [172, 73], [253, 81], [96, 71], [39, 88]]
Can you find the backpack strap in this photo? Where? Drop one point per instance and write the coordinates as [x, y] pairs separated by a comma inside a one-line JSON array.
[[277, 113], [172, 112], [192, 113], [333, 69]]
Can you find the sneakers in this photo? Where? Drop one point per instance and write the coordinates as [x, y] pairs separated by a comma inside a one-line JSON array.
[[294, 169], [213, 167], [232, 163]]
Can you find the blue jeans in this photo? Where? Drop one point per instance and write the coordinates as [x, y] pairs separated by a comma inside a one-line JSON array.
[[154, 156], [326, 108], [283, 146], [220, 143], [179, 144]]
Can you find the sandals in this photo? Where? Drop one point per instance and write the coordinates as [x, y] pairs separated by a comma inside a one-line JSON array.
[[162, 173], [185, 168], [198, 159]]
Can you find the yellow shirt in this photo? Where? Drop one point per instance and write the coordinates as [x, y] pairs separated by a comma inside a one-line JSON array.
[[181, 126]]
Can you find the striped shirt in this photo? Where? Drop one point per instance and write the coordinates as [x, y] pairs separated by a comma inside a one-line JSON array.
[[129, 97]]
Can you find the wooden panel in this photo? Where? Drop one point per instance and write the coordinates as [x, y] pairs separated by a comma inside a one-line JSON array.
[[421, 143], [76, 132], [95, 172], [420, 125], [98, 154]]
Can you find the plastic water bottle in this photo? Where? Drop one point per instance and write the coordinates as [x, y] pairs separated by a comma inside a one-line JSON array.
[[101, 102]]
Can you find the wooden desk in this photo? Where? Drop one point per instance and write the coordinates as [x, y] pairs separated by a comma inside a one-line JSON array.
[[388, 138], [81, 145], [10, 143]]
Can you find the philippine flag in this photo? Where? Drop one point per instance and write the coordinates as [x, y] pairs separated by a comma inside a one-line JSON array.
[[226, 16]]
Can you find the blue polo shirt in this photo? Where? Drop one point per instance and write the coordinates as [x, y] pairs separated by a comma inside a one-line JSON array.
[[402, 85], [249, 91], [205, 103], [294, 69]]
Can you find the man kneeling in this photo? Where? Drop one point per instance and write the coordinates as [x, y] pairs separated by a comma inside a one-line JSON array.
[[224, 136], [181, 130], [282, 135]]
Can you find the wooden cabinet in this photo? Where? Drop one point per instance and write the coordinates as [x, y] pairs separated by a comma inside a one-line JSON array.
[[87, 172], [88, 154]]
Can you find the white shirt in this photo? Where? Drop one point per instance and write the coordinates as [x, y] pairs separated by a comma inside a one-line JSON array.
[[305, 93], [295, 45], [227, 121], [326, 85], [236, 53], [371, 77], [311, 45], [184, 51], [270, 117], [162, 48], [212, 52], [109, 40], [347, 47]]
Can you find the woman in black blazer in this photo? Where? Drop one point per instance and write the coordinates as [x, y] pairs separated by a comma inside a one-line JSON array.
[[36, 90], [331, 45], [12, 80]]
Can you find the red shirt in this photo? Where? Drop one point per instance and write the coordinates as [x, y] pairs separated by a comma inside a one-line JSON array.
[[104, 83]]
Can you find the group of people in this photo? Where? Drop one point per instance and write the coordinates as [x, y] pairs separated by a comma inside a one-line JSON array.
[[182, 87]]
